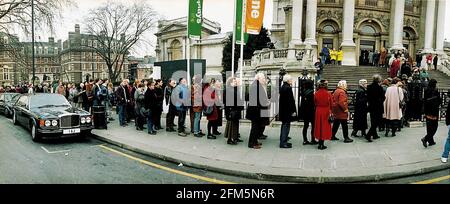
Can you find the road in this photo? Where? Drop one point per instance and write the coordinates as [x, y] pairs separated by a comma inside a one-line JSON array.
[[86, 161]]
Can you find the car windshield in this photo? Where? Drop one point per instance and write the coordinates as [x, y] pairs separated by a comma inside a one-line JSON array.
[[48, 101]]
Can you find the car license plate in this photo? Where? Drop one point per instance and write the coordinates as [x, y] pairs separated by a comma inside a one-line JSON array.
[[71, 131]]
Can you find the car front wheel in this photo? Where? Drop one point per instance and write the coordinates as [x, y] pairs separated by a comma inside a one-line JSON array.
[[34, 133], [14, 118]]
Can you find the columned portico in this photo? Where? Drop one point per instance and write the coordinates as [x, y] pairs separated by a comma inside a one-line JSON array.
[[397, 34], [440, 27], [429, 26], [297, 14], [311, 18], [348, 46]]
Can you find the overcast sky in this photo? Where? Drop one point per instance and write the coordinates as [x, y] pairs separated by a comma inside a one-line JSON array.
[[216, 10]]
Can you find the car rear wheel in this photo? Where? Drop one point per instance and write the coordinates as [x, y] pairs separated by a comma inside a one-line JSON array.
[[34, 133], [14, 118]]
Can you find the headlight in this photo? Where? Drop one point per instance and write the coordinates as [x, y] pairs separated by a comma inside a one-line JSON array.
[[47, 123], [88, 120], [83, 120], [54, 123]]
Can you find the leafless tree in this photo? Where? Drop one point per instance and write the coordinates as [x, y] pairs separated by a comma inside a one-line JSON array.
[[17, 13], [117, 29]]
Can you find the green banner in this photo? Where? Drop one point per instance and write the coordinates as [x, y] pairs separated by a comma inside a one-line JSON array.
[[239, 22], [195, 19]]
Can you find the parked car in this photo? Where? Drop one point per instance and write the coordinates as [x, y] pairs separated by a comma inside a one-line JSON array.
[[7, 100], [51, 116]]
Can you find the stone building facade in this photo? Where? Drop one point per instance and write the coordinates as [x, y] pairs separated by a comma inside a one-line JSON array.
[[357, 25], [172, 43], [47, 60], [79, 63]]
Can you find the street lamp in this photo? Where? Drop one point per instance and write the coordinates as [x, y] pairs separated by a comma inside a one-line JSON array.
[[32, 41]]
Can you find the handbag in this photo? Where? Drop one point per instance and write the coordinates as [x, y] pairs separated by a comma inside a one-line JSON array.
[[208, 110], [331, 119]]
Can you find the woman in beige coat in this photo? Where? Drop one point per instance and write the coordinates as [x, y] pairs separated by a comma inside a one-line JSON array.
[[392, 109]]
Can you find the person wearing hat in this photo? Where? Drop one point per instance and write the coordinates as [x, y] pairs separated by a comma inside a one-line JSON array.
[[322, 122], [360, 117]]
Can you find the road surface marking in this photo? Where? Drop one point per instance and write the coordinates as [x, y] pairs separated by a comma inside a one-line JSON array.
[[435, 180], [211, 180], [55, 152]]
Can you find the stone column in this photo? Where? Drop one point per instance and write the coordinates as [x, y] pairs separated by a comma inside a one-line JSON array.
[[397, 40], [287, 25], [311, 18], [429, 29], [348, 46], [296, 26], [440, 27], [184, 56]]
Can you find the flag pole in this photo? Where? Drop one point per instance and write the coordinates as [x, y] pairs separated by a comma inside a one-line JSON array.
[[244, 11], [188, 47], [234, 39]]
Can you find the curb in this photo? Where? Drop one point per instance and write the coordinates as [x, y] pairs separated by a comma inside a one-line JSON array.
[[280, 178]]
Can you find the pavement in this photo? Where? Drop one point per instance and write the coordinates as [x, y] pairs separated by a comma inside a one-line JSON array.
[[360, 161]]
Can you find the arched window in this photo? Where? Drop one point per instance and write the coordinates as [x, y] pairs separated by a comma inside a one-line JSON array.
[[367, 29], [328, 29]]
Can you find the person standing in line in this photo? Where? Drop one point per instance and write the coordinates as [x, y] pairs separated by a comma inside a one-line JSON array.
[[172, 110], [340, 111], [159, 104], [258, 104], [287, 110], [322, 123], [319, 68], [444, 157], [360, 118], [122, 101], [432, 103], [370, 57], [395, 67], [197, 106], [392, 108], [111, 100], [435, 62], [375, 100], [180, 97], [151, 106], [382, 60], [210, 100], [234, 105], [140, 108], [429, 61], [307, 111]]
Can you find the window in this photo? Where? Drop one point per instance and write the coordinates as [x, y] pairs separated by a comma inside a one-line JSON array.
[[328, 29], [368, 29]]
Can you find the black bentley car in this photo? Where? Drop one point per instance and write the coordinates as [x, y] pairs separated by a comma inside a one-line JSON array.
[[7, 101], [50, 116]]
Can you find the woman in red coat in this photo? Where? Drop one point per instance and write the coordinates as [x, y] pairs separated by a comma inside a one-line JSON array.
[[210, 100], [322, 100]]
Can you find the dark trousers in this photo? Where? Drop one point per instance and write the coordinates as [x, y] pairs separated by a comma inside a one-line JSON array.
[[432, 126], [375, 120], [122, 119], [255, 132], [212, 127], [181, 120], [232, 130], [285, 129], [392, 124], [344, 124], [170, 117], [157, 118], [305, 129], [139, 121]]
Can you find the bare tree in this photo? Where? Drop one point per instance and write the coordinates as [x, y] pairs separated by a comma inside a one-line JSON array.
[[17, 13], [118, 28]]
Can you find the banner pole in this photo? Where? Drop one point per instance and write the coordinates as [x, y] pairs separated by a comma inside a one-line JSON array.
[[244, 11], [233, 43], [188, 51]]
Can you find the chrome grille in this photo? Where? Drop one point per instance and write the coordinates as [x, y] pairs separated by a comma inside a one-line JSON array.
[[70, 121]]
